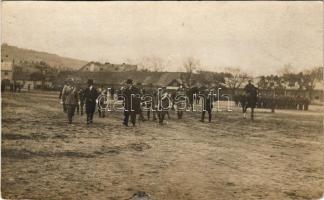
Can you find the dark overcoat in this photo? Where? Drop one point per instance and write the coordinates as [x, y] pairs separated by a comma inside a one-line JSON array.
[[132, 103], [90, 97]]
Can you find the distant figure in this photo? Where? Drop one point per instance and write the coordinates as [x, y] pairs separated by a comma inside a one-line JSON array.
[[112, 93], [81, 100], [249, 88], [306, 103], [11, 87], [138, 101], [3, 86], [61, 96], [130, 105], [207, 106], [163, 106], [102, 92], [151, 105], [71, 97], [90, 96], [19, 87], [180, 105], [190, 93], [249, 99], [198, 98], [15, 86]]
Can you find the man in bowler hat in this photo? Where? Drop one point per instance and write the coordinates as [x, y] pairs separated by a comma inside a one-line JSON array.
[[90, 97]]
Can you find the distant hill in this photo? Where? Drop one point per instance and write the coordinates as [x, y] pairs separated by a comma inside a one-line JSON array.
[[19, 55]]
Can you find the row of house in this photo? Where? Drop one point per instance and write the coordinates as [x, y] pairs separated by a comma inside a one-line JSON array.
[[172, 80], [40, 75], [107, 67], [115, 75], [26, 77]]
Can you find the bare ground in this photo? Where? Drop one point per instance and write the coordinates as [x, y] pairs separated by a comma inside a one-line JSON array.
[[278, 156]]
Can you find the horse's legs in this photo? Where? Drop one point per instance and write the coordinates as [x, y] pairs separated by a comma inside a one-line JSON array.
[[244, 111]]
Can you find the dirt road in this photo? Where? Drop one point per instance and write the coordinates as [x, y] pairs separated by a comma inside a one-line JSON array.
[[278, 156]]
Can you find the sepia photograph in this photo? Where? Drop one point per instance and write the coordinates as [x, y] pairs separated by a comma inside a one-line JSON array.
[[168, 100]]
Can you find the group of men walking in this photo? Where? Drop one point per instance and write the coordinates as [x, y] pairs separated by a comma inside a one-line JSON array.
[[136, 101], [74, 99]]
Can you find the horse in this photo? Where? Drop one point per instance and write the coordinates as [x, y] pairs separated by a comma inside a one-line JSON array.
[[248, 101]]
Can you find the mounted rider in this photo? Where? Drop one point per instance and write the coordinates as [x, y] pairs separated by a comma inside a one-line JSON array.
[[250, 98]]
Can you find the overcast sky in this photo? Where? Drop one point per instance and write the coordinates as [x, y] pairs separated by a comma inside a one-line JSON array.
[[259, 37]]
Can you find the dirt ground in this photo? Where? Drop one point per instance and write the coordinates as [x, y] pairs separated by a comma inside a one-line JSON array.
[[278, 156]]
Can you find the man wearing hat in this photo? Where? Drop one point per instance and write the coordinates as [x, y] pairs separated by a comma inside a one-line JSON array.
[[132, 102], [90, 96], [180, 104], [62, 97], [250, 88], [163, 105], [207, 106], [251, 93], [71, 99]]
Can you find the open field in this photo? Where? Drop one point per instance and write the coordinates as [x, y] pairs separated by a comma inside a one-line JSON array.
[[278, 156]]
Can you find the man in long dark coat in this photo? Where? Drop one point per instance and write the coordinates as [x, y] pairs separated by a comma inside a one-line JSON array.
[[250, 98], [207, 106], [131, 105], [90, 97]]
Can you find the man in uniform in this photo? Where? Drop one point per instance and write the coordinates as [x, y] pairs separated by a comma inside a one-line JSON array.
[[90, 96], [70, 95], [81, 100], [149, 105], [164, 105], [102, 92], [180, 92], [140, 91], [63, 97]]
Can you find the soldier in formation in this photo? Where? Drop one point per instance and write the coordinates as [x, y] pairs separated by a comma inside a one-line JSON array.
[[207, 104], [283, 102]]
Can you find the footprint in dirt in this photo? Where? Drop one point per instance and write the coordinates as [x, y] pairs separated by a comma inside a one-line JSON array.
[[140, 195]]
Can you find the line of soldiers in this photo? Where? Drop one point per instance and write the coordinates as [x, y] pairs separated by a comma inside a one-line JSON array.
[[279, 102], [135, 102], [13, 87], [284, 102]]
